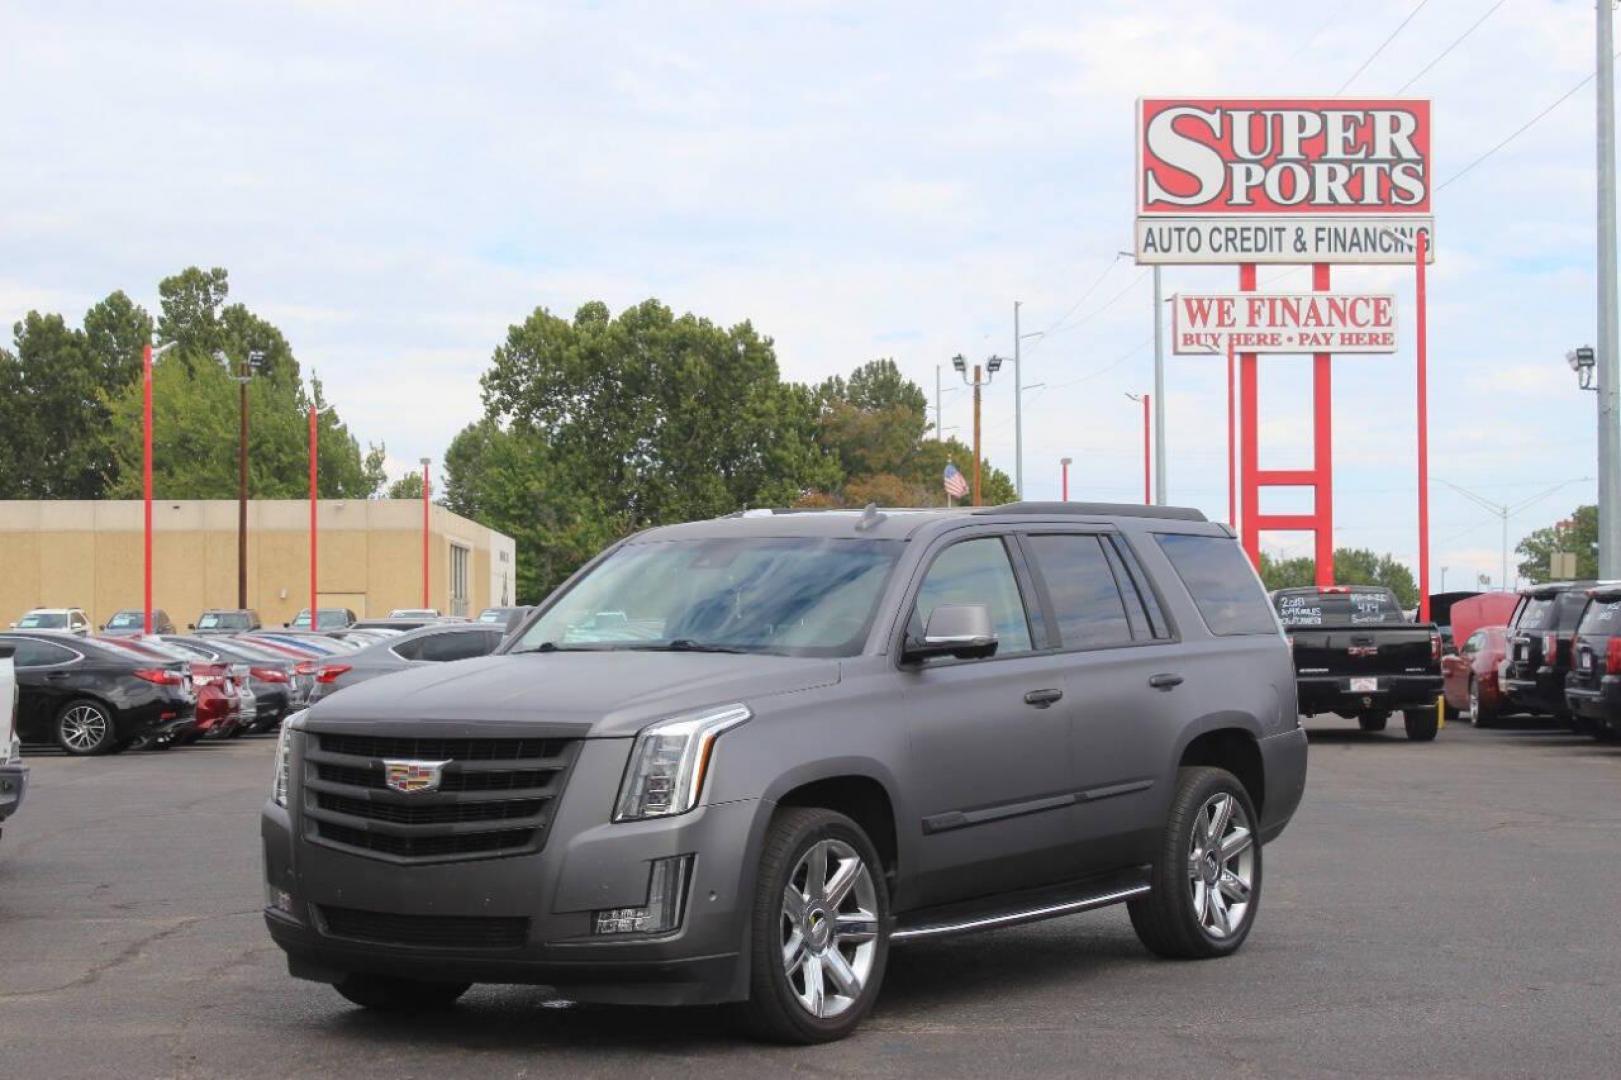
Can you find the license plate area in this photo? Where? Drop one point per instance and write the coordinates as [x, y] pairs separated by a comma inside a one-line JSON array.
[[1364, 686]]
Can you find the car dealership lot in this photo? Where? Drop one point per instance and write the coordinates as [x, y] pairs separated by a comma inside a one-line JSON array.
[[1447, 908]]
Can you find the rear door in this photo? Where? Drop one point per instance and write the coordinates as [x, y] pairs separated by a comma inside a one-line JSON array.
[[1123, 701], [990, 754], [45, 682]]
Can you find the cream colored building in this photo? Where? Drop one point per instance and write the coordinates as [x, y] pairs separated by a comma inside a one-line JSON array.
[[88, 554]]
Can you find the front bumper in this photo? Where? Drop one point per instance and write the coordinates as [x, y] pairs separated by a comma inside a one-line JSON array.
[[1333, 693], [13, 787], [587, 864]]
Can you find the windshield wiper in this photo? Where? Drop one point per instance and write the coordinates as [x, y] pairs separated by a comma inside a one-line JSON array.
[[544, 646], [684, 645]]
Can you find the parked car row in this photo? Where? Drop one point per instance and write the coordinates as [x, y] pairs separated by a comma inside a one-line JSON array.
[[1558, 655], [98, 693]]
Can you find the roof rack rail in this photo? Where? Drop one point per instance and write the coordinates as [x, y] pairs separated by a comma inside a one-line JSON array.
[[1098, 509]]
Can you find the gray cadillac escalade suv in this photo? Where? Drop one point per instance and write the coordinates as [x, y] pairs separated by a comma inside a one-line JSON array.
[[738, 760]]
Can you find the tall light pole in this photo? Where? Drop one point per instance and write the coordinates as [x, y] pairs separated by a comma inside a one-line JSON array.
[[1609, 439], [1018, 400], [993, 364], [315, 457], [244, 375], [147, 356], [424, 532], [1148, 496]]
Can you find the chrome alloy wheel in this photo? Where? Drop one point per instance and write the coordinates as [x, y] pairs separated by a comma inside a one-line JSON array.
[[1474, 702], [829, 928], [1221, 865], [83, 728]]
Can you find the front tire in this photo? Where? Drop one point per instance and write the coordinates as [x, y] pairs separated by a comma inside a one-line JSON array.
[[1206, 881], [819, 940], [386, 993], [1421, 724], [84, 728]]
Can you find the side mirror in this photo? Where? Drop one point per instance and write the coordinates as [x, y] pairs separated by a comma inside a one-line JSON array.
[[191, 626], [962, 631]]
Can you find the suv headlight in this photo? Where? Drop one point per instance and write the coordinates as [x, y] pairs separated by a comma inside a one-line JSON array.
[[284, 761], [668, 762]]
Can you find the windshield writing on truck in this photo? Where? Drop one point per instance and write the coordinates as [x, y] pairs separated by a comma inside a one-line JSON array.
[[1331, 609]]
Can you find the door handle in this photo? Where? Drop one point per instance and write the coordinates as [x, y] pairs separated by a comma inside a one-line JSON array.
[[1164, 681], [1042, 698], [57, 676]]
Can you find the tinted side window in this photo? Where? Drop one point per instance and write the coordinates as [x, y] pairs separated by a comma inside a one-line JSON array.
[[409, 650], [40, 654], [976, 572], [456, 646], [1142, 607], [1086, 600], [1223, 586]]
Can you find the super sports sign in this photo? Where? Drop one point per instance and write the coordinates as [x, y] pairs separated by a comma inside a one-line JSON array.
[[1282, 181]]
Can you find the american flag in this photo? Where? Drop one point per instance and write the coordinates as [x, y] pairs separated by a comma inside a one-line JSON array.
[[956, 486]]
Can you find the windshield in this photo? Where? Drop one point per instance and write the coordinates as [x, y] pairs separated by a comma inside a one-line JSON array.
[[1601, 619], [1355, 608], [43, 620], [791, 596], [214, 620], [126, 620], [491, 615]]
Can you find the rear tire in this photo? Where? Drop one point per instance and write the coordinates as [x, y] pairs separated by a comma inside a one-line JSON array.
[[1421, 724], [1373, 721], [85, 727], [386, 993], [1206, 881], [1480, 714], [819, 929]]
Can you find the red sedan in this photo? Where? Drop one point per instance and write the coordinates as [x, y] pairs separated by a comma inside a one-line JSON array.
[[1469, 676]]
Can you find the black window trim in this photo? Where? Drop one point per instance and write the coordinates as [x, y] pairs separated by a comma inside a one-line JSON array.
[[1103, 535], [909, 599]]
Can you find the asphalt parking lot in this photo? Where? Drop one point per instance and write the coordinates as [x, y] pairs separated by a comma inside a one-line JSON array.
[[1445, 909]]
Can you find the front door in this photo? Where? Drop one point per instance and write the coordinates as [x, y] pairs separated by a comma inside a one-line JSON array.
[[990, 747]]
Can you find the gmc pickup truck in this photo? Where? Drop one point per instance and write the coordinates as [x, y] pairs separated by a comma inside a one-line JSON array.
[[1357, 655]]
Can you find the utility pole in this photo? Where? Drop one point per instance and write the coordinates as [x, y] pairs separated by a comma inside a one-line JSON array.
[[1159, 391], [1609, 438], [992, 365], [1018, 408]]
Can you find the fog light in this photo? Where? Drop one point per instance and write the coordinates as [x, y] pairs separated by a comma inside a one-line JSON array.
[[280, 899], [666, 900]]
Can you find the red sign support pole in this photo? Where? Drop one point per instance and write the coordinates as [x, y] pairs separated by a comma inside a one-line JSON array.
[[1232, 442], [1249, 441], [146, 476], [1322, 395], [1423, 429], [1148, 457]]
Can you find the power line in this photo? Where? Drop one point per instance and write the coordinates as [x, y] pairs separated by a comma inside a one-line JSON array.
[[1455, 43], [1090, 289], [1107, 304], [1521, 130], [1375, 55]]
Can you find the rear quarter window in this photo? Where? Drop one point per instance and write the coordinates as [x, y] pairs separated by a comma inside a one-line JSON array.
[[1223, 586], [1603, 617]]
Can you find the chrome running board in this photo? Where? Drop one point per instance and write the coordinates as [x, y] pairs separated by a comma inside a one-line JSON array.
[[1025, 907]]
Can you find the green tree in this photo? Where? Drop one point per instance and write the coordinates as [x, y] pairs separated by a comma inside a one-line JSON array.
[[52, 414], [1577, 533], [191, 301], [1352, 566], [408, 486]]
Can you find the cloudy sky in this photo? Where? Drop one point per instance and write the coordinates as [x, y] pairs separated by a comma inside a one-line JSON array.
[[394, 184]]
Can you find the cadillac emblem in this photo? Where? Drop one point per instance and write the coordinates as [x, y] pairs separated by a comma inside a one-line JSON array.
[[412, 776]]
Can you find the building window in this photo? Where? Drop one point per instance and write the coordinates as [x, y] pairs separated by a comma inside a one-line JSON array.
[[460, 558]]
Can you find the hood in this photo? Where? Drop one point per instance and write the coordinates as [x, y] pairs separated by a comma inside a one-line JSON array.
[[600, 694]]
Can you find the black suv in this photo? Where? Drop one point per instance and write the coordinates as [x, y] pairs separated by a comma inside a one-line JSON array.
[[1593, 687], [1539, 638], [738, 760]]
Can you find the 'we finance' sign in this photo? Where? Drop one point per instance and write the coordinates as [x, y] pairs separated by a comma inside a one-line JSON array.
[[1283, 323]]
